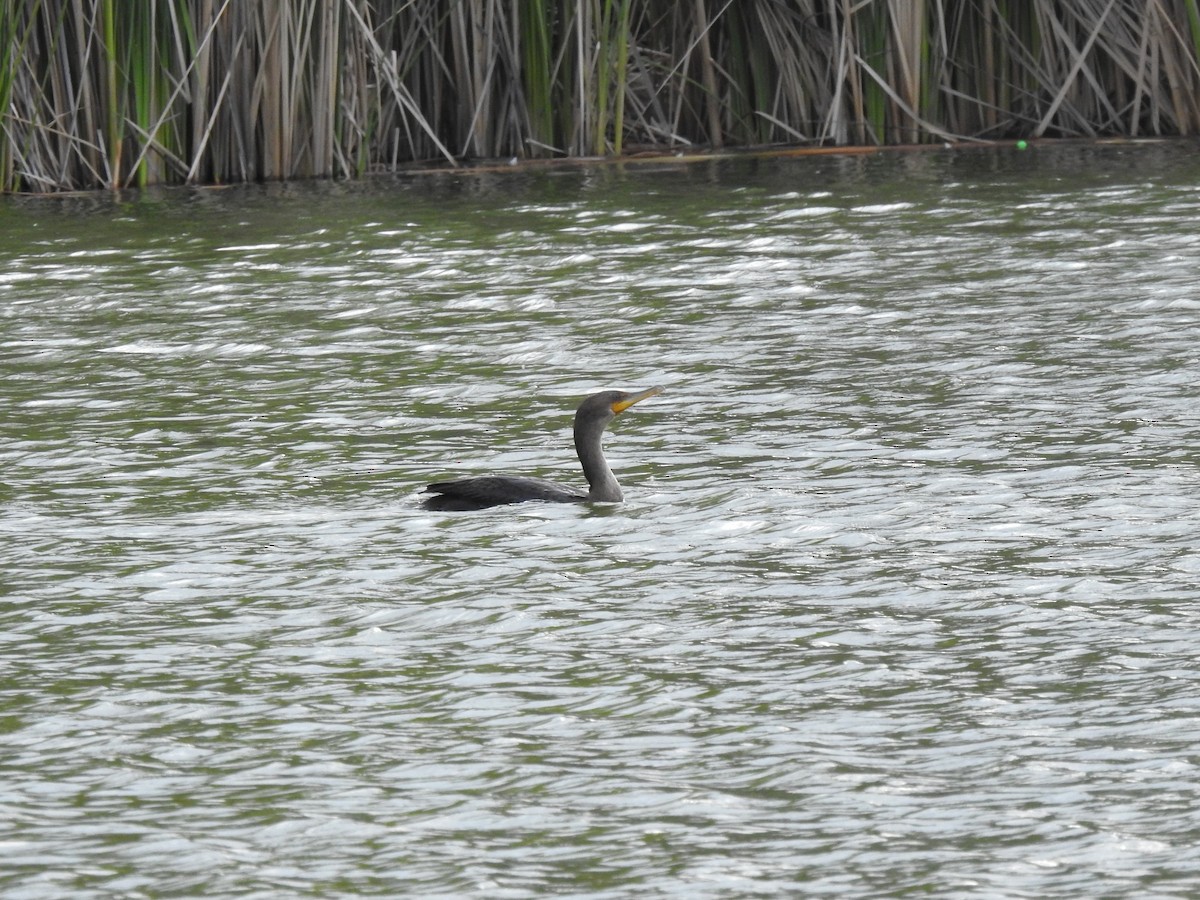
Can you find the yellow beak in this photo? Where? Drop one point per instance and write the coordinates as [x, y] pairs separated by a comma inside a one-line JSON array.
[[621, 405]]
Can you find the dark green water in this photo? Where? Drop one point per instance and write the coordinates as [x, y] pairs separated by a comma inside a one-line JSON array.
[[902, 598]]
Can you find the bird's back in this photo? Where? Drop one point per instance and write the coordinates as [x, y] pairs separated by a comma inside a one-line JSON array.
[[495, 490]]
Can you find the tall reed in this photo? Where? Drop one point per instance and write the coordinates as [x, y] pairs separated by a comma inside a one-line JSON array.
[[109, 93]]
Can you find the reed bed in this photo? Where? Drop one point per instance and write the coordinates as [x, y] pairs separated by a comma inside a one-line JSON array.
[[113, 93]]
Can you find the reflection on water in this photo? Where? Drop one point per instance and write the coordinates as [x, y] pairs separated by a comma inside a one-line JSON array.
[[902, 598]]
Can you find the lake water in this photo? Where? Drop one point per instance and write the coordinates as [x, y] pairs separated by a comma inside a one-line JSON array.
[[902, 599]]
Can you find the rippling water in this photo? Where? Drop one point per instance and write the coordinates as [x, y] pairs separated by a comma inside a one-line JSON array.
[[902, 599]]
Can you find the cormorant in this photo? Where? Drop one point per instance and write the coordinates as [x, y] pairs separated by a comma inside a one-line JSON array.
[[593, 415]]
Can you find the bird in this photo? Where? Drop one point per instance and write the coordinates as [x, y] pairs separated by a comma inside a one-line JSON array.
[[591, 418]]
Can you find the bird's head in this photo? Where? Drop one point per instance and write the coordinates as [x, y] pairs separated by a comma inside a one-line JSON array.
[[604, 406]]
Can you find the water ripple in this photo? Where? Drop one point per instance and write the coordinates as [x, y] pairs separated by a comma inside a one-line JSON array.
[[901, 599]]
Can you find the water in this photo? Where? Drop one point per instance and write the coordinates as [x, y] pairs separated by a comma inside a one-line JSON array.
[[902, 598]]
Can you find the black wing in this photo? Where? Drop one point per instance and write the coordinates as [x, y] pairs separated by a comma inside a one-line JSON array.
[[495, 490]]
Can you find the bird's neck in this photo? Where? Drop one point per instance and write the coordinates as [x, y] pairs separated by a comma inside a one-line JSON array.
[[600, 478]]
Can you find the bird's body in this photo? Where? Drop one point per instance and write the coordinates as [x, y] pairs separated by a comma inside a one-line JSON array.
[[495, 490]]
